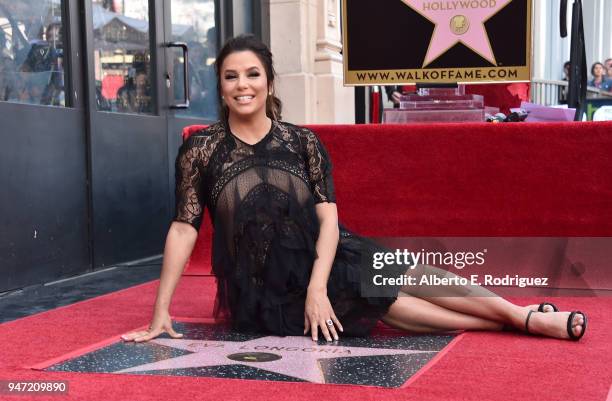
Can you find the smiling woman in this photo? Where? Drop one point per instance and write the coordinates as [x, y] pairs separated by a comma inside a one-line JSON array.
[[283, 264], [242, 66], [245, 90]]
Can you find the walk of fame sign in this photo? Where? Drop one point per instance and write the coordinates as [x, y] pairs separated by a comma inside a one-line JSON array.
[[214, 351], [438, 41]]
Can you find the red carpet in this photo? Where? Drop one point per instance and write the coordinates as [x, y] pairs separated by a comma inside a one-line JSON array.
[[423, 180], [481, 366], [523, 179]]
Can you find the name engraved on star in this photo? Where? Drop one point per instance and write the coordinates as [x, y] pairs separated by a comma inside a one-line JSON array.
[[458, 5], [197, 346], [339, 351], [336, 350]]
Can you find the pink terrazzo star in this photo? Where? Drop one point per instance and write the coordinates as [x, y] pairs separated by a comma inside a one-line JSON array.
[[299, 355], [444, 37]]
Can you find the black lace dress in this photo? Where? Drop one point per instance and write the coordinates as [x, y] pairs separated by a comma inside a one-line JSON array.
[[261, 200]]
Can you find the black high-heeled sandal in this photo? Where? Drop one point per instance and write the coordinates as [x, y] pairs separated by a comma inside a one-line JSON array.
[[570, 319]]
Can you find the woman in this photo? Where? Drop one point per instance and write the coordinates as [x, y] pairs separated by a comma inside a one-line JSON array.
[[600, 80], [283, 266]]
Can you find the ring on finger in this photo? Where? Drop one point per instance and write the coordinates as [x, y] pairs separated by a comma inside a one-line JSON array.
[[329, 322]]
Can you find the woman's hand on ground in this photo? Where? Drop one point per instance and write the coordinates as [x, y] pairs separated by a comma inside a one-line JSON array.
[[161, 323], [318, 313]]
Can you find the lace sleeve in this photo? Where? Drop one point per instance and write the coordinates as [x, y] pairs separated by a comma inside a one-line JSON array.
[[189, 199], [319, 168]]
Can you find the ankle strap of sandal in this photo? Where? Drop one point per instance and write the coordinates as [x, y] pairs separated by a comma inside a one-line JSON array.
[[527, 322]]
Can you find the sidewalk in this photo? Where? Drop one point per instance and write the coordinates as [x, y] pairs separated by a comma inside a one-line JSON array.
[[40, 298]]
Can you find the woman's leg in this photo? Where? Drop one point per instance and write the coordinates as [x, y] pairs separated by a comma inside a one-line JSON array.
[[477, 301], [420, 316]]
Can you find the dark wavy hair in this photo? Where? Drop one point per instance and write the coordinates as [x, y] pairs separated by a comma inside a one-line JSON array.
[[249, 42]]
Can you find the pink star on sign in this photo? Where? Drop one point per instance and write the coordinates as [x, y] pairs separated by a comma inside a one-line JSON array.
[[458, 21]]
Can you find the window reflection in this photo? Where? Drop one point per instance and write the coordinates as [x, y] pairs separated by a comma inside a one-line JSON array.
[[193, 22], [122, 56], [32, 52]]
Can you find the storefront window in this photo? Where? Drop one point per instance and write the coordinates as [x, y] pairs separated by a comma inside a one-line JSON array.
[[122, 56], [193, 22], [32, 52]]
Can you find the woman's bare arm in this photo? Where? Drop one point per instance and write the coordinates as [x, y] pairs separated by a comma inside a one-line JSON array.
[[180, 241], [326, 245], [318, 307]]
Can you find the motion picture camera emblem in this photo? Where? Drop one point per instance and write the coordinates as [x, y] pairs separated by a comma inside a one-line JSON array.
[[459, 24]]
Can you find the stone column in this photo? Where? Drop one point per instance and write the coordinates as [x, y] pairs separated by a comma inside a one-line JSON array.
[[292, 41], [335, 102], [306, 43]]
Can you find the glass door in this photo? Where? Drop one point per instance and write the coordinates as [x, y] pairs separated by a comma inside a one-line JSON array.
[[128, 149]]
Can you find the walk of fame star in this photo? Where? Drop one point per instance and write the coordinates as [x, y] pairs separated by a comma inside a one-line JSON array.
[[299, 356], [458, 21], [213, 351]]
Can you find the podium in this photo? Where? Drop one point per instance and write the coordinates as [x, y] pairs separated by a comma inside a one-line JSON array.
[[430, 105]]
